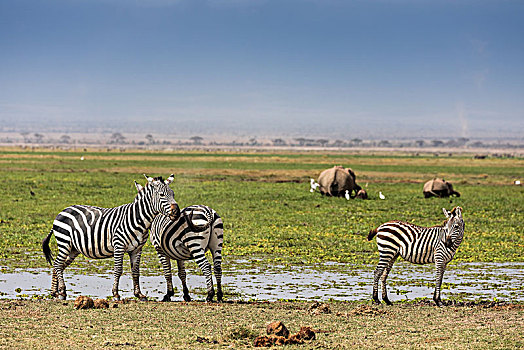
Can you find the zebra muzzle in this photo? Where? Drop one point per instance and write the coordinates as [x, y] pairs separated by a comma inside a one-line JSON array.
[[175, 212]]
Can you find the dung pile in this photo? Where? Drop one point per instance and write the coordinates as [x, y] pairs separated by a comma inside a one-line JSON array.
[[318, 308], [85, 302], [278, 334]]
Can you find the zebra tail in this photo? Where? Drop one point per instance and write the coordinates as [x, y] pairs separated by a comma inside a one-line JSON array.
[[46, 249], [372, 234]]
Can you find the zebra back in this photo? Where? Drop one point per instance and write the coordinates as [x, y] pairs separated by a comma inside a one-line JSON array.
[[177, 238]]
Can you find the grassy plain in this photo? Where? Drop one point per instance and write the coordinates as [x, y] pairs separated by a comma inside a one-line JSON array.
[[265, 201], [269, 213]]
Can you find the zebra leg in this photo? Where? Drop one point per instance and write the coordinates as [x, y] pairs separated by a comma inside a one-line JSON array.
[[383, 263], [378, 272], [182, 276], [119, 259], [439, 274], [134, 258], [217, 265], [166, 265], [384, 278], [205, 267], [65, 257]]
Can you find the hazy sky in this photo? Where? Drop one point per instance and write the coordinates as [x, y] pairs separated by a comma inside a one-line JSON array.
[[329, 67]]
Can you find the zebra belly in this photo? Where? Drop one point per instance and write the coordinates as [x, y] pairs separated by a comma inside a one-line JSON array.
[[179, 252], [416, 256], [93, 251]]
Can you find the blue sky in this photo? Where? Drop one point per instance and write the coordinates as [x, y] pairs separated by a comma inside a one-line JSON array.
[[355, 68]]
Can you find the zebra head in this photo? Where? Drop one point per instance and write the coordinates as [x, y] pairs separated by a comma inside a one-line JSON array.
[[454, 228], [162, 197]]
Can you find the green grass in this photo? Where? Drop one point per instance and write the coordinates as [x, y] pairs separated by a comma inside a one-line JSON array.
[[265, 201]]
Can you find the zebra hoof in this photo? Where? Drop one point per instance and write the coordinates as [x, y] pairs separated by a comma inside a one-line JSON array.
[[166, 298], [187, 298], [62, 297], [210, 296], [376, 301], [143, 298]]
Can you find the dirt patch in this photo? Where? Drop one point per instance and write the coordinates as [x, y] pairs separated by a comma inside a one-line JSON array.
[[366, 310], [486, 304], [317, 308]]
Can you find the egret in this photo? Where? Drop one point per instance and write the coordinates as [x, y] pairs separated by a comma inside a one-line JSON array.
[[347, 195], [314, 185], [381, 196]]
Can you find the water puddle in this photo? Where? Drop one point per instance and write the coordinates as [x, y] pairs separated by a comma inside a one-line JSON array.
[[503, 281]]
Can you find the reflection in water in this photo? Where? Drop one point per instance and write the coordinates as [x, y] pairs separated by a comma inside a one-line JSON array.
[[503, 281]]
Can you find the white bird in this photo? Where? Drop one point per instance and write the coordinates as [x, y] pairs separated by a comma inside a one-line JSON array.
[[381, 196], [82, 158], [517, 182], [314, 185], [347, 195]]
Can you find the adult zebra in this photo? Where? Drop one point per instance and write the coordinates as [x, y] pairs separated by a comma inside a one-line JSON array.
[[419, 245], [182, 240], [100, 233]]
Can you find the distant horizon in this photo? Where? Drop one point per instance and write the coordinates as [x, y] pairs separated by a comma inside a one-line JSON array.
[[241, 136]]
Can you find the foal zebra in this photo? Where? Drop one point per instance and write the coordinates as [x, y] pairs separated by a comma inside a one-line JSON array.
[[100, 233], [182, 240], [419, 245]]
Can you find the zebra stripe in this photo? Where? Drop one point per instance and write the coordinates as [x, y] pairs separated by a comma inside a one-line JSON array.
[[182, 240], [100, 233], [418, 245]]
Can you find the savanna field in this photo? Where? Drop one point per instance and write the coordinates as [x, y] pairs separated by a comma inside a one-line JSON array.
[[270, 218]]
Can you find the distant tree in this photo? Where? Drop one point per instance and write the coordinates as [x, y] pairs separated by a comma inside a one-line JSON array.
[[197, 140], [253, 141], [150, 139], [65, 139], [38, 137], [338, 143], [117, 138], [323, 142], [419, 143], [477, 144], [278, 142], [462, 141], [384, 143], [24, 135], [437, 143], [356, 141], [301, 141]]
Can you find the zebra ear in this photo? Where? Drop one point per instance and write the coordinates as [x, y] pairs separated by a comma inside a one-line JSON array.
[[138, 186], [169, 179], [446, 212], [148, 178]]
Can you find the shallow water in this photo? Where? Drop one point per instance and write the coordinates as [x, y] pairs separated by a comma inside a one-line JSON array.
[[503, 281]]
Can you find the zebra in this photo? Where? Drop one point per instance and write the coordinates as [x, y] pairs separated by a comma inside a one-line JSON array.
[[419, 245], [100, 233], [183, 240]]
